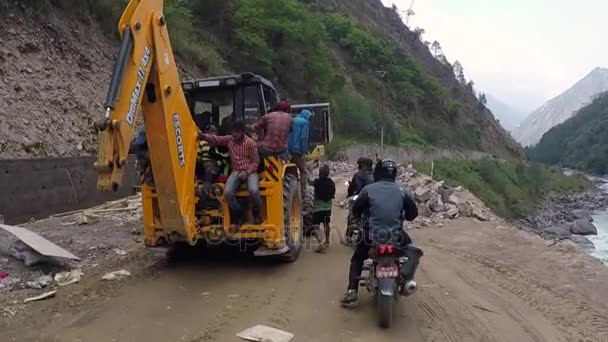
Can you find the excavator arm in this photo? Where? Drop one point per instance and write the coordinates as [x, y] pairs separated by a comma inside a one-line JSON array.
[[146, 80]]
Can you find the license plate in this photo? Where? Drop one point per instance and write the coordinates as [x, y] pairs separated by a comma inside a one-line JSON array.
[[387, 271]]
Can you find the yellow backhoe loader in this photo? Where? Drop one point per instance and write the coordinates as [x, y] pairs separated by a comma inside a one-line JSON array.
[[146, 80]]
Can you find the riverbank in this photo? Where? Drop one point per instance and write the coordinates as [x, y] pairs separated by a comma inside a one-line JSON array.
[[580, 217]]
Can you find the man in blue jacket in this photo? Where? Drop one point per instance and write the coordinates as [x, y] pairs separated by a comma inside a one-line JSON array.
[[298, 144]]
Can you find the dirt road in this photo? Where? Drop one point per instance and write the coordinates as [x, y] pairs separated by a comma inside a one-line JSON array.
[[478, 282]]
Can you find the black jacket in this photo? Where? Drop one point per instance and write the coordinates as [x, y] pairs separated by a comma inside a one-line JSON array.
[[388, 204], [360, 180]]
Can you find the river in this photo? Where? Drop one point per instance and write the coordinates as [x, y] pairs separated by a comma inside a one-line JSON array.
[[600, 241]]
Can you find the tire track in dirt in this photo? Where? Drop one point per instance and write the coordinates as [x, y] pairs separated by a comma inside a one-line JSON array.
[[581, 324]]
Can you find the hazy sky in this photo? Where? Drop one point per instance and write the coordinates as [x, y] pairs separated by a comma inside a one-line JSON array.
[[522, 51]]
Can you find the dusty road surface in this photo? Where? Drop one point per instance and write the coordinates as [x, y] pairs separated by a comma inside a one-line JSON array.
[[479, 281]]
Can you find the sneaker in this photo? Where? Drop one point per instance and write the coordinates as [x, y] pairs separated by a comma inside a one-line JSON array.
[[351, 296]]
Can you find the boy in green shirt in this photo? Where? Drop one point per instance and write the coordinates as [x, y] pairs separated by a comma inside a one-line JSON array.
[[325, 191]]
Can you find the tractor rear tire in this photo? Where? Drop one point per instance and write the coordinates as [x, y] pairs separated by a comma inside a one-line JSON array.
[[292, 211], [307, 205]]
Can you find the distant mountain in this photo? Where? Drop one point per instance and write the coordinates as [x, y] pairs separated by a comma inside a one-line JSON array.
[[509, 117], [562, 107], [581, 142]]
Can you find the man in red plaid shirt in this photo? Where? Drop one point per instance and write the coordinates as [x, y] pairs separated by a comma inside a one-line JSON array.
[[244, 159], [274, 129]]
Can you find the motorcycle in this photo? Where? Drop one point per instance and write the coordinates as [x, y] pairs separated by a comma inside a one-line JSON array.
[[353, 225], [384, 280]]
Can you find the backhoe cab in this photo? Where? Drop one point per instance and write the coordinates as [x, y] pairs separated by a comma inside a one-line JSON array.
[[248, 96]]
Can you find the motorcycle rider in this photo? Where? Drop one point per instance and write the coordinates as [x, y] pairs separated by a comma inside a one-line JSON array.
[[362, 178], [387, 204]]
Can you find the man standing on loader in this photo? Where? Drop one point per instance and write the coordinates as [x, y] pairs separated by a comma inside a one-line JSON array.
[[298, 144], [244, 160], [274, 128]]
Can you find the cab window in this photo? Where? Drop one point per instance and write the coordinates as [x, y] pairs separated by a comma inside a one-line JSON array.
[[252, 110]]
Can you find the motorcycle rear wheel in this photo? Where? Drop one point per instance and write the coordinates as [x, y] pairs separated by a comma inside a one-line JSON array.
[[385, 310]]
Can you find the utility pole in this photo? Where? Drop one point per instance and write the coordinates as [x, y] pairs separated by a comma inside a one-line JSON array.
[[381, 73]]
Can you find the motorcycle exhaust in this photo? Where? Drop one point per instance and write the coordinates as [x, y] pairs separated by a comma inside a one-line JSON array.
[[410, 288]]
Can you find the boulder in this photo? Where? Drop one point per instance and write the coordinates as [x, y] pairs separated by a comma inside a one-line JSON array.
[[451, 210], [445, 193], [478, 214], [582, 215], [555, 232], [465, 208], [583, 227], [582, 241], [423, 194], [435, 203], [453, 199], [423, 210]]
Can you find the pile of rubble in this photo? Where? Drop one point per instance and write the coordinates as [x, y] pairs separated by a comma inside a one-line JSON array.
[[437, 201]]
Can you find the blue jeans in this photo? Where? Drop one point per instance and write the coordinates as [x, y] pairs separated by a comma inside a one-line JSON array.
[[253, 185]]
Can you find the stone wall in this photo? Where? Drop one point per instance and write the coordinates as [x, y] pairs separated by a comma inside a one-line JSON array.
[[41, 187]]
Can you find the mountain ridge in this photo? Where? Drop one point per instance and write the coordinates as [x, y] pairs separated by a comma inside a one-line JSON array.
[[562, 107], [580, 142]]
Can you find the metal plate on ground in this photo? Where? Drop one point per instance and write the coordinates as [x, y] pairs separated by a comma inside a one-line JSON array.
[[38, 243]]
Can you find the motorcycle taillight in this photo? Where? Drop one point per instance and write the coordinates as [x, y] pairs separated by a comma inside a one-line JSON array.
[[386, 249]]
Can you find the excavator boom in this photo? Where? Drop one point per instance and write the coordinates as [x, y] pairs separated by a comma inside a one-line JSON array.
[[146, 80]]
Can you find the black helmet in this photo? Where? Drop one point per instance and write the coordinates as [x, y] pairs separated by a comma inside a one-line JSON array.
[[385, 169]]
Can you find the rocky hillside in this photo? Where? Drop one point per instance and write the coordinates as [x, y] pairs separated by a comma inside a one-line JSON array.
[[581, 142], [562, 107], [57, 56]]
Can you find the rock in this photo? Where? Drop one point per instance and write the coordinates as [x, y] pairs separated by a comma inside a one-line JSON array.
[[453, 199], [583, 227], [12, 31], [435, 203], [67, 278], [116, 275], [40, 283], [445, 193], [582, 242], [451, 210], [465, 208], [423, 194], [86, 219], [582, 215], [478, 214], [556, 232], [423, 210], [19, 250]]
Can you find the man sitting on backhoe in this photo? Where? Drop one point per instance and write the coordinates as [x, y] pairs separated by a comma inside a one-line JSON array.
[[211, 162], [244, 160]]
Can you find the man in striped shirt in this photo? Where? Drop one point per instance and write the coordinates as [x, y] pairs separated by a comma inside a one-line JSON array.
[[244, 159]]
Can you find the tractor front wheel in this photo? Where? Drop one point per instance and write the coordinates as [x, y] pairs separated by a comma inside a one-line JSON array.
[[292, 211]]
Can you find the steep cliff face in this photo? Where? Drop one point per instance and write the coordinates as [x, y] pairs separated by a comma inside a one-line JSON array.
[[562, 107], [52, 79]]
